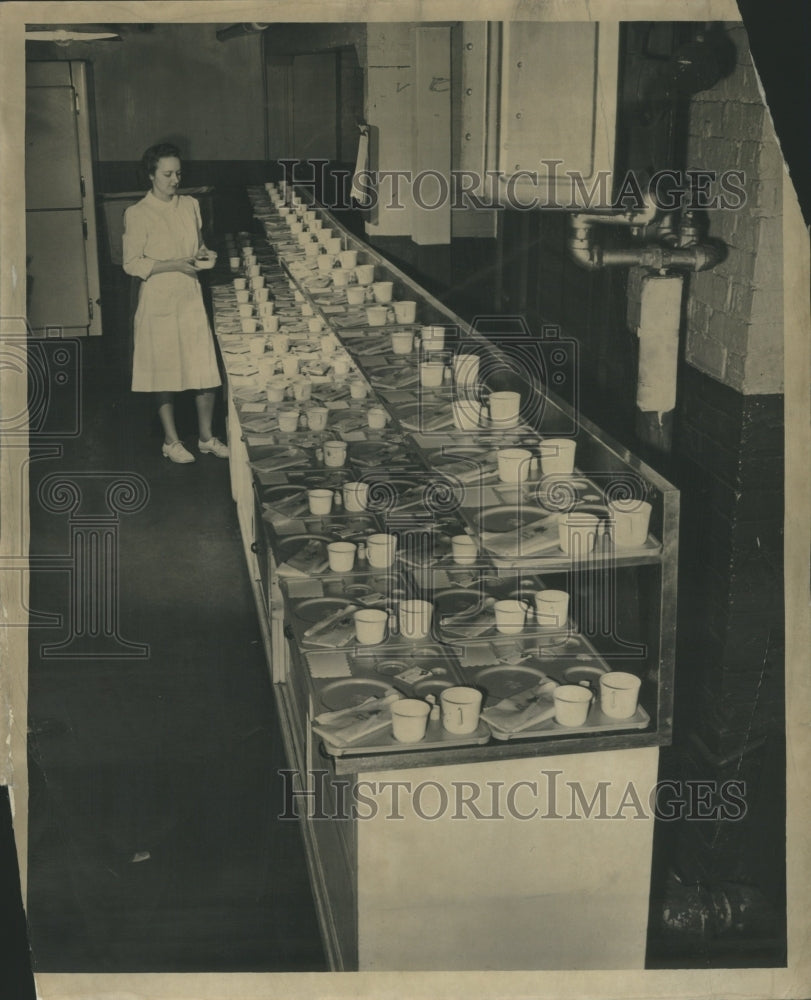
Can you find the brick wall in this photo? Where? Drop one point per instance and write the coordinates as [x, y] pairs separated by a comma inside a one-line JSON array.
[[735, 311]]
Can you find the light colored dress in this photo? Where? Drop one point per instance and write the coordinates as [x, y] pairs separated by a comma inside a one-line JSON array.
[[173, 345]]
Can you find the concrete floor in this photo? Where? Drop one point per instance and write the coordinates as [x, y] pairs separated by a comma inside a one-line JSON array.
[[154, 843]]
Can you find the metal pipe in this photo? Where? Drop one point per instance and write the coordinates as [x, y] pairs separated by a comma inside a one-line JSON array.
[[238, 30], [592, 257]]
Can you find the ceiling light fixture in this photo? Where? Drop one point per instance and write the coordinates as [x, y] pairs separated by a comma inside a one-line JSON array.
[[64, 33]]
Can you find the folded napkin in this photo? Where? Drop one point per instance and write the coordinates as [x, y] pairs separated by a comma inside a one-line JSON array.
[[523, 711], [334, 636], [531, 540], [328, 663], [259, 424], [310, 558], [350, 725], [292, 506], [476, 654], [469, 626]]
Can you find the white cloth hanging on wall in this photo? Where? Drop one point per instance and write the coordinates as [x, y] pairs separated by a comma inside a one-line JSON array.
[[361, 163], [659, 321]]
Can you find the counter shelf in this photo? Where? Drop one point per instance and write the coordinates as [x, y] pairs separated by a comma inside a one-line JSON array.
[[553, 417]]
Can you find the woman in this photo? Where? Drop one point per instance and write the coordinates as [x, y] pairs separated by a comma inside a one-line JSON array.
[[173, 347]]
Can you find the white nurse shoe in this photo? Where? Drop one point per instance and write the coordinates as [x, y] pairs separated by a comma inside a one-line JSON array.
[[176, 452], [213, 447]]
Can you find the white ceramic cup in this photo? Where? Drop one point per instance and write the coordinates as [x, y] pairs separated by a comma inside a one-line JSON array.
[[513, 464], [260, 295], [348, 258], [256, 346], [324, 235], [466, 414], [280, 342], [380, 550], [340, 278], [629, 522], [357, 389], [376, 418], [402, 341], [376, 315], [383, 291], [355, 496], [245, 309], [257, 281], [572, 702], [315, 325], [275, 393], [433, 338], [552, 608], [619, 694], [302, 390], [415, 619], [317, 418], [461, 707], [577, 532], [253, 271], [249, 258], [370, 626], [325, 263], [341, 556], [409, 719], [505, 408], [233, 263], [334, 454], [365, 273], [466, 369], [557, 456], [432, 374], [248, 325], [511, 616], [240, 284], [464, 550], [355, 295], [288, 421], [290, 363], [320, 501], [405, 311], [266, 308], [333, 246], [270, 323]]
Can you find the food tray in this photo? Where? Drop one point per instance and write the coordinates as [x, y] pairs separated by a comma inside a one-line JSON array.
[[436, 738], [595, 723], [506, 680]]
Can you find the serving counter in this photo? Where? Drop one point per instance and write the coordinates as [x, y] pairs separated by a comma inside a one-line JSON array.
[[421, 512]]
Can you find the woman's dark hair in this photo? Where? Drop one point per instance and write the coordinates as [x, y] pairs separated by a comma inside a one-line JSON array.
[[149, 161]]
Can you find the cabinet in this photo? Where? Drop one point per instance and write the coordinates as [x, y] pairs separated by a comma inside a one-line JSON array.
[[61, 240], [400, 894], [538, 110]]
